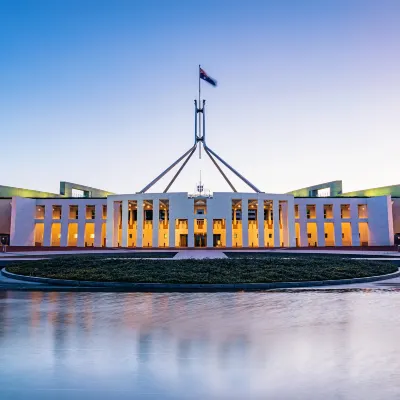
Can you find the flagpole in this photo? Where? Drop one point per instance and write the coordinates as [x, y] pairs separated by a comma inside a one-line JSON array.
[[200, 132], [199, 85]]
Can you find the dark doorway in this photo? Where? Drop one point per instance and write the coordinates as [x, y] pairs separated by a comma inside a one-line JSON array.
[[216, 240], [183, 242], [4, 239], [200, 240]]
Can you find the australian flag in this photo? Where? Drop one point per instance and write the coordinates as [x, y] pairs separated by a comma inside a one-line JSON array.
[[206, 78]]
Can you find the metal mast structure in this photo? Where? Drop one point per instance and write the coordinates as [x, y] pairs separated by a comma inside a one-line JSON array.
[[199, 141]]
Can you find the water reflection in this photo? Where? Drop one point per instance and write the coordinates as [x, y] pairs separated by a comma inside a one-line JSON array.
[[281, 345]]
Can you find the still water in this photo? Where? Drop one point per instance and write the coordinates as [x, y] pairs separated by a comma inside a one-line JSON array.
[[279, 345]]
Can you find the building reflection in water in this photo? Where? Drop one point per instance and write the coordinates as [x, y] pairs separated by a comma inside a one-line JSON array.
[[210, 344]]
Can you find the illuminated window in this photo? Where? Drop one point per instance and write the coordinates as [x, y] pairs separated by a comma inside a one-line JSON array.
[[311, 211], [345, 211], [40, 212], [362, 211]]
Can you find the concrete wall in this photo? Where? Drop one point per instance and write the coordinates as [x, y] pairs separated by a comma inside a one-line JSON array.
[[346, 230], [5, 215], [393, 190], [380, 221], [22, 221], [66, 190], [9, 191], [376, 226], [396, 214], [335, 187], [181, 207]]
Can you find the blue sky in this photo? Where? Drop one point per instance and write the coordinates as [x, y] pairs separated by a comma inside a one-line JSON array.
[[101, 92]]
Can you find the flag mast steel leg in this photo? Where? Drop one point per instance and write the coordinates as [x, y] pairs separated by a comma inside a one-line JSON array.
[[232, 169], [179, 170], [200, 136], [146, 188], [219, 169]]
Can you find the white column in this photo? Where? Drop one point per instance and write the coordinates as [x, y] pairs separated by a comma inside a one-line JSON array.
[[228, 225], [355, 237], [319, 209], [260, 222], [291, 223], [337, 224], [245, 223], [110, 223], [48, 218], [171, 231], [190, 231], [171, 224], [98, 229], [156, 222], [81, 224], [303, 225], [98, 225], [285, 230], [64, 225], [210, 234], [139, 230], [275, 211], [124, 239]]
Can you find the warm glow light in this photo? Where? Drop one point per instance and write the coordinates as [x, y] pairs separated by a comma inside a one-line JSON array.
[[76, 236], [92, 236]]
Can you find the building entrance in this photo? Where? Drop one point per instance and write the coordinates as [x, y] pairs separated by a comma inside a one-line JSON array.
[[216, 240], [200, 240], [183, 241]]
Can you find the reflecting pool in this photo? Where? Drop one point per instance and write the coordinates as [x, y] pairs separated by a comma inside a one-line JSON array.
[[274, 345]]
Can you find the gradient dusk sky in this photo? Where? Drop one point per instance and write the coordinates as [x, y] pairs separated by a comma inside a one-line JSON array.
[[101, 92]]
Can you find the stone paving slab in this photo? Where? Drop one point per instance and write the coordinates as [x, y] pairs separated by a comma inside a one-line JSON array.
[[199, 254]]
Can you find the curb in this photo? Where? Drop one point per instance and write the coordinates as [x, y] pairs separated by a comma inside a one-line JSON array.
[[176, 287]]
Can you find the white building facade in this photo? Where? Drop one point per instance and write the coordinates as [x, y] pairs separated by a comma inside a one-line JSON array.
[[180, 220]]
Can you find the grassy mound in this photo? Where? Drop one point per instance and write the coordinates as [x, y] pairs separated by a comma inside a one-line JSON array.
[[268, 269]]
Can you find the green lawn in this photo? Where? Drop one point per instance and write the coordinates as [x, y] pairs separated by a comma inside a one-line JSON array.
[[109, 268]]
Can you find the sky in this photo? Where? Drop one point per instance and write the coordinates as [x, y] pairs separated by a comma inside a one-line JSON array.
[[101, 92]]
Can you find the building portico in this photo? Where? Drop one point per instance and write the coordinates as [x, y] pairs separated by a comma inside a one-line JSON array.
[[183, 220]]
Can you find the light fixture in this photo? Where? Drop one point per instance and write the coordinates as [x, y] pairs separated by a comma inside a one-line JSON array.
[[92, 236], [76, 236]]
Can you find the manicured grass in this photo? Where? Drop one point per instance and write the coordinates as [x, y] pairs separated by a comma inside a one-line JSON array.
[[109, 268], [306, 253], [130, 254]]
